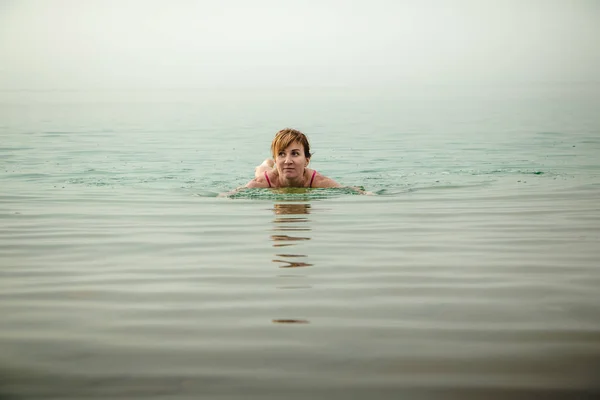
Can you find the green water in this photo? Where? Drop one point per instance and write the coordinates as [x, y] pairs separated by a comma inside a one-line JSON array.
[[472, 272]]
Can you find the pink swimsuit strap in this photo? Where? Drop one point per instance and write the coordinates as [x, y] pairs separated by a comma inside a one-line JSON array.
[[312, 179], [268, 180]]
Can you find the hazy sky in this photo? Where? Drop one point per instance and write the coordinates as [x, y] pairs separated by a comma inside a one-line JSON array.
[[76, 44]]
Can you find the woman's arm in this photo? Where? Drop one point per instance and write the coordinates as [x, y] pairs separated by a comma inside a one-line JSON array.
[[257, 183], [254, 183], [324, 182], [361, 191]]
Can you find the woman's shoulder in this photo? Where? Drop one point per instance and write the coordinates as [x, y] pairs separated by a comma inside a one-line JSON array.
[[258, 182], [322, 181], [261, 181]]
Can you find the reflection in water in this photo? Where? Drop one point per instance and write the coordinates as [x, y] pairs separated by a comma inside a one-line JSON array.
[[292, 209], [287, 214], [292, 264], [290, 217], [285, 238], [290, 321]]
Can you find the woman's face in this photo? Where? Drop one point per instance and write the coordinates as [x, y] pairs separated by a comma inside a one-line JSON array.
[[291, 161]]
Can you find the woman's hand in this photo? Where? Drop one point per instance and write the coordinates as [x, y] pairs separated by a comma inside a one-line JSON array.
[[266, 165]]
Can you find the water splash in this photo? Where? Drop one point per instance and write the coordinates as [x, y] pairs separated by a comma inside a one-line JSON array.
[[292, 194]]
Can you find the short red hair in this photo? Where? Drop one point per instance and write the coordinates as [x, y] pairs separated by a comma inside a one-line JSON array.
[[287, 136]]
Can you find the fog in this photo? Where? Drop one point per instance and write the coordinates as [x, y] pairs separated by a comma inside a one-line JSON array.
[[76, 44]]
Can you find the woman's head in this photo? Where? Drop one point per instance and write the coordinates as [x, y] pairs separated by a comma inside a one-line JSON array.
[[285, 137], [291, 153]]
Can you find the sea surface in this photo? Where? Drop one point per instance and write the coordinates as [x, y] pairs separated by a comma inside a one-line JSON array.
[[472, 271]]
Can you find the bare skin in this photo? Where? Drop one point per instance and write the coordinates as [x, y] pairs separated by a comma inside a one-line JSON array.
[[266, 165], [260, 181], [290, 169]]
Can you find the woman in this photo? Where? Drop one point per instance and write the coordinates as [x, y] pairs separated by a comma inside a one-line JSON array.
[[291, 152]]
